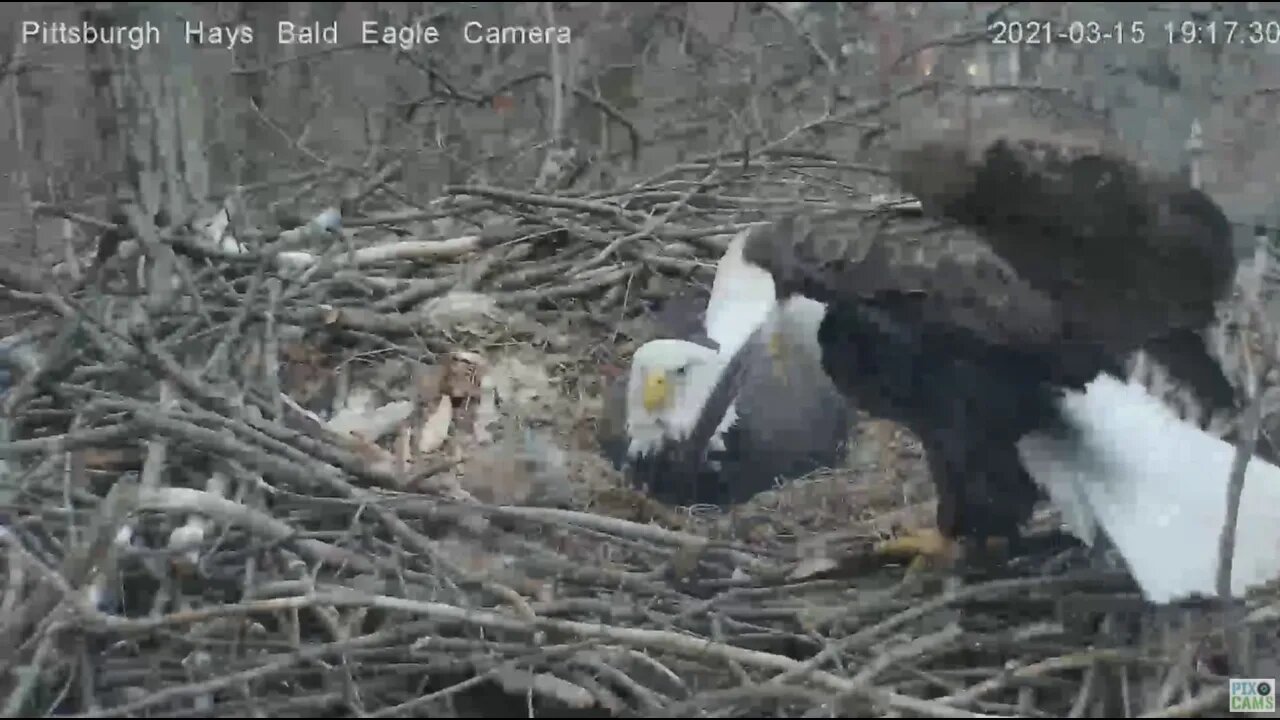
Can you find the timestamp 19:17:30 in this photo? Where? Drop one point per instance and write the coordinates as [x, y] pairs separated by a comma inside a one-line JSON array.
[[1087, 32]]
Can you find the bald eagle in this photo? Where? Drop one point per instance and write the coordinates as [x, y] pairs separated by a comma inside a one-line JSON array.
[[923, 328], [1043, 258], [688, 435]]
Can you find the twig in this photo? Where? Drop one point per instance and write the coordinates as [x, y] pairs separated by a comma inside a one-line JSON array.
[[803, 35], [581, 287], [743, 693], [1056, 664], [393, 251], [655, 639], [617, 526], [1084, 698], [1206, 701], [609, 110], [551, 201], [28, 675], [228, 511], [71, 441], [647, 698], [922, 645], [414, 704], [991, 589], [558, 84], [650, 226], [1257, 368], [172, 693], [78, 564]]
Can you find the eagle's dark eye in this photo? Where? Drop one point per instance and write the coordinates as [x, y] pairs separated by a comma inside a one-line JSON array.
[[680, 371]]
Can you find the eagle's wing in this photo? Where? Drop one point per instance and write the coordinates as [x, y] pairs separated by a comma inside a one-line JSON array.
[[1131, 253], [1132, 256], [790, 417], [940, 272]]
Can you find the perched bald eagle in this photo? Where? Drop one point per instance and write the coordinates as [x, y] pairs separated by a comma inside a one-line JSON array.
[[1044, 257], [923, 327], [688, 435]]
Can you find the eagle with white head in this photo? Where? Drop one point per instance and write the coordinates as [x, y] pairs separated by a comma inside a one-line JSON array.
[[719, 419]]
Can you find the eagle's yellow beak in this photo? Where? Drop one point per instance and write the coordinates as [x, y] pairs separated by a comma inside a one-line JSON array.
[[655, 392]]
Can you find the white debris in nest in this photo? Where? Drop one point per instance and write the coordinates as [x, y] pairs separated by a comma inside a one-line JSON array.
[[328, 219], [436, 428], [512, 388], [101, 593], [358, 400], [371, 424], [188, 539], [215, 234], [815, 558], [521, 387], [455, 309]]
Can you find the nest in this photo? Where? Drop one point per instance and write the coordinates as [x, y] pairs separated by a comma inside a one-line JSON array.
[[337, 472]]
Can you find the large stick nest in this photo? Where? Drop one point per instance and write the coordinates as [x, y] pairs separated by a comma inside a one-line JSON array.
[[352, 471]]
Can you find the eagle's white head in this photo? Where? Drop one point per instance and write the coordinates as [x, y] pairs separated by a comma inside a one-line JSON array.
[[669, 383]]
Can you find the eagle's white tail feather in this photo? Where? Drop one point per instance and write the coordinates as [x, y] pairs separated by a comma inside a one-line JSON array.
[[1157, 486]]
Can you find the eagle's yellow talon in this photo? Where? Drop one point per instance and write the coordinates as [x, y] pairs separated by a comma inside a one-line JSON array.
[[929, 551], [925, 548]]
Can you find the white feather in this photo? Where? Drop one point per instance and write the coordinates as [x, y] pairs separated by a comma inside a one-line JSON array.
[[742, 295], [1157, 486]]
